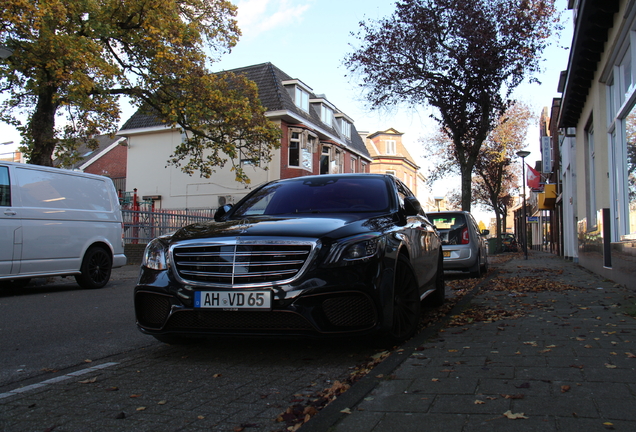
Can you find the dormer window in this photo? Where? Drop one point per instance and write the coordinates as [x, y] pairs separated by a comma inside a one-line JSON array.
[[390, 147], [299, 92], [302, 99], [346, 128], [326, 115], [344, 123]]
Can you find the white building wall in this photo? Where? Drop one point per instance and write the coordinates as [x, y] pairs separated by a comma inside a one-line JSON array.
[[148, 171]]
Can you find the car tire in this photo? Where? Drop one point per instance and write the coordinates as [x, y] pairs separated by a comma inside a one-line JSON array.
[[95, 270], [439, 295], [484, 268], [475, 271], [406, 302]]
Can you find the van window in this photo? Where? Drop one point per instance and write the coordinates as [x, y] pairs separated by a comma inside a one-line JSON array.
[[5, 187], [43, 189]]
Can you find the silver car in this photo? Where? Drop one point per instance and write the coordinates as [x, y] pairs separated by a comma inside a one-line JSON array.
[[463, 245]]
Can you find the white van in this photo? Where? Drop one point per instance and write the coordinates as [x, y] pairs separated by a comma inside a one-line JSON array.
[[56, 222]]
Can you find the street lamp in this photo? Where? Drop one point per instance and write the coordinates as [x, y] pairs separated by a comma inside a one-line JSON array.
[[523, 154]]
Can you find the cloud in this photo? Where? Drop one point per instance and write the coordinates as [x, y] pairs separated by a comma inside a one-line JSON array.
[[259, 16]]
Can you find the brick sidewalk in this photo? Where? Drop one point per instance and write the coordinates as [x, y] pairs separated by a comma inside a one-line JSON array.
[[545, 345]]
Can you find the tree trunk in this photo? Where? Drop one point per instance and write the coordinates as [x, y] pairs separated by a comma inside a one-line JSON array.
[[42, 128], [498, 231], [467, 191]]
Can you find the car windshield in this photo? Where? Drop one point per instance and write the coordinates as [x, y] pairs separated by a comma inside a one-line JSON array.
[[318, 195]]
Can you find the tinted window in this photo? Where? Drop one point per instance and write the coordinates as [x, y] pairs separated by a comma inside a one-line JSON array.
[[318, 195], [5, 187]]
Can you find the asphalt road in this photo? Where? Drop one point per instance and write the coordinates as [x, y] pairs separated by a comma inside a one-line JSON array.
[[53, 324], [73, 359]]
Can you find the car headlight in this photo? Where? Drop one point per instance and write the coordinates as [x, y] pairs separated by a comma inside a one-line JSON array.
[[155, 256], [355, 248]]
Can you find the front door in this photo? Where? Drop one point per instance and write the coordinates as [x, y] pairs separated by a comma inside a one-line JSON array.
[[10, 228]]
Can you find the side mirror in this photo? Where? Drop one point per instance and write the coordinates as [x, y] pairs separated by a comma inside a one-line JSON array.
[[220, 213], [485, 232], [412, 206]]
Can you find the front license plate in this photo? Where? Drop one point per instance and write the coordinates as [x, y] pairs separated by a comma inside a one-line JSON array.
[[233, 300], [446, 254]]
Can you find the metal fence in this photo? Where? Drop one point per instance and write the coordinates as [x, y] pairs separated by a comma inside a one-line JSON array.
[[141, 226]]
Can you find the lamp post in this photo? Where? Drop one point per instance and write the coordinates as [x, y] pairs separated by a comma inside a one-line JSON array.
[[523, 154]]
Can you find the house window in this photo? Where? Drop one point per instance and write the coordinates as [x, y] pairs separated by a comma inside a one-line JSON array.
[[302, 99], [363, 167], [354, 164], [301, 149], [622, 144], [346, 128], [326, 115], [390, 172], [325, 159], [337, 165], [294, 150], [390, 147]]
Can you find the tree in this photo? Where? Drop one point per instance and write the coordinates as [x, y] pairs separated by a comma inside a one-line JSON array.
[[497, 175], [72, 61], [463, 58]]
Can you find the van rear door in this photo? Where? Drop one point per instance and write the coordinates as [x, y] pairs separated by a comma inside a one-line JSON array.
[[10, 228]]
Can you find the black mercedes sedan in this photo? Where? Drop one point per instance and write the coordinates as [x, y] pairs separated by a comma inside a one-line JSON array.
[[328, 255]]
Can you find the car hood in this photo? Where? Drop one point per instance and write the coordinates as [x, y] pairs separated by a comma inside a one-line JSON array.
[[268, 226]]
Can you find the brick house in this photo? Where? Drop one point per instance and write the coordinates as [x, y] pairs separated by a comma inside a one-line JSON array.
[[317, 138], [108, 159]]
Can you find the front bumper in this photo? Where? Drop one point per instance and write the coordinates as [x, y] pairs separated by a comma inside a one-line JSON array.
[[345, 301]]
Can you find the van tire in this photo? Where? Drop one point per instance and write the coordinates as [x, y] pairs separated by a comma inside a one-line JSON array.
[[96, 267]]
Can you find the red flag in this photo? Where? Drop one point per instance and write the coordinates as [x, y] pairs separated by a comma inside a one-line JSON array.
[[533, 178]]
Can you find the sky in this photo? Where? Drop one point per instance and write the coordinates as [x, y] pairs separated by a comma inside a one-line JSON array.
[[309, 39]]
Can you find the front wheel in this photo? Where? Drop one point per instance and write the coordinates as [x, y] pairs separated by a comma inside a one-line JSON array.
[[406, 302], [96, 267]]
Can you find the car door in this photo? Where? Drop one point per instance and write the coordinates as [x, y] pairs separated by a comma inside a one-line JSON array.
[[423, 240], [10, 227]]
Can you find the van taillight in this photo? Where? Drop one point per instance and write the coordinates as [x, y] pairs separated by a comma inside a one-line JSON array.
[[465, 238]]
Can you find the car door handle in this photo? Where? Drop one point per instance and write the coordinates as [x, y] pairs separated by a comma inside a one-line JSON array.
[[9, 212]]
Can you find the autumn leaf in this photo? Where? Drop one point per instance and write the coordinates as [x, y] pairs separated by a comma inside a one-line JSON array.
[[141, 408], [514, 396], [630, 355], [162, 402], [610, 366], [346, 411], [514, 416], [88, 381], [565, 388], [479, 402]]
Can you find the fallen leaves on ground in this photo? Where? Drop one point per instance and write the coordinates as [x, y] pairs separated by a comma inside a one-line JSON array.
[[478, 313], [514, 416]]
